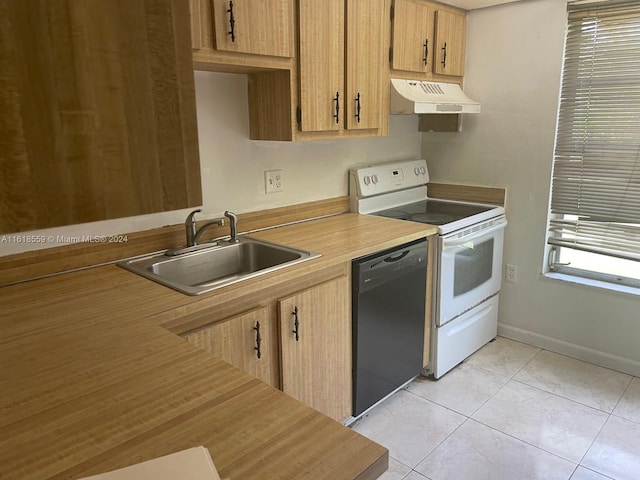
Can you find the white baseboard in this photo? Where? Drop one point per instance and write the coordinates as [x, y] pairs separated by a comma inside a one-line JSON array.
[[590, 355]]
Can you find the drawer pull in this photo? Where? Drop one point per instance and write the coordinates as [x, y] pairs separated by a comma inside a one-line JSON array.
[[258, 340], [232, 22], [426, 51], [296, 323], [444, 55]]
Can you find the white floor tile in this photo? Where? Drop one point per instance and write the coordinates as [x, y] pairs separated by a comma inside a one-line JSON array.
[[415, 476], [464, 389], [503, 356], [477, 452], [629, 405], [555, 424], [583, 382], [586, 474], [396, 471], [409, 426], [616, 451]]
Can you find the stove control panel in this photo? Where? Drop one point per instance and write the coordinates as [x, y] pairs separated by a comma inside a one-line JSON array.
[[385, 178]]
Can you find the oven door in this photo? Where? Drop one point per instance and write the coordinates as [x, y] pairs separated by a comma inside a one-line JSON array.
[[470, 268]]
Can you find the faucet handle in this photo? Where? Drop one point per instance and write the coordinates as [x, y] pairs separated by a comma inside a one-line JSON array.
[[233, 225], [190, 225], [192, 216]]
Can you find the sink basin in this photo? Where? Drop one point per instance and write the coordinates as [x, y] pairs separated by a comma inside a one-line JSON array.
[[217, 266]]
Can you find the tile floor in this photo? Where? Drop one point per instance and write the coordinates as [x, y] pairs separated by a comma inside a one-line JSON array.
[[512, 412]]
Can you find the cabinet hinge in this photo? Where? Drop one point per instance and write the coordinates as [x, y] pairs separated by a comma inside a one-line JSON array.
[[390, 54], [298, 115], [392, 13]]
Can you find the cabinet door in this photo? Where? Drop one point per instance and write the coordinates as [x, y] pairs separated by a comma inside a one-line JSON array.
[[450, 43], [365, 28], [197, 33], [245, 341], [321, 64], [412, 36], [98, 117], [263, 27], [316, 361]]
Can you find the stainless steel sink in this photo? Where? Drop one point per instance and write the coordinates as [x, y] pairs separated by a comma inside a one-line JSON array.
[[215, 267]]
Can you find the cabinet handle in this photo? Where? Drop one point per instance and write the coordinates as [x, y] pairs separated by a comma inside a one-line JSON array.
[[358, 107], [296, 323], [426, 51], [444, 55], [232, 22], [258, 340], [337, 100]]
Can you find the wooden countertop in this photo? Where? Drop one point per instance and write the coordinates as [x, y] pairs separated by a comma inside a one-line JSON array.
[[90, 381]]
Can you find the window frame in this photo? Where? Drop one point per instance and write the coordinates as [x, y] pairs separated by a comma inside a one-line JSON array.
[[554, 248]]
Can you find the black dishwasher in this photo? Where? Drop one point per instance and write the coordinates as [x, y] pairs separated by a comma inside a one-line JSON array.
[[389, 290]]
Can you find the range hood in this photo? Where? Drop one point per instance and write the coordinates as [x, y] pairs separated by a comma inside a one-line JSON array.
[[414, 96]]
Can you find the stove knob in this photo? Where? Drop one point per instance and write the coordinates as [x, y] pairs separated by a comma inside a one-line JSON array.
[[423, 170], [416, 171], [367, 180], [374, 179]]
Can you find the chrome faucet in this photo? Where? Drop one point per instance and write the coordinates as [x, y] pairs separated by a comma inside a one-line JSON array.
[[233, 225], [193, 233]]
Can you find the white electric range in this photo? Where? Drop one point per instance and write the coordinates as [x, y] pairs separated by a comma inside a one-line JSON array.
[[468, 269]]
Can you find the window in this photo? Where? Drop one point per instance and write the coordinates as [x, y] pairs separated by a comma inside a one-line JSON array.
[[594, 221]]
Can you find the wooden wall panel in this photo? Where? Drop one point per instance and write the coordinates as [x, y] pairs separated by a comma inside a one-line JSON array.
[[98, 111], [468, 193]]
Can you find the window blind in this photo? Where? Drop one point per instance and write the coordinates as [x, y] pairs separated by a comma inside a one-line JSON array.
[[595, 192]]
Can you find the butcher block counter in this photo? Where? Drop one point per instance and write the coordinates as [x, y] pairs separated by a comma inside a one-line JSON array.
[[93, 376]]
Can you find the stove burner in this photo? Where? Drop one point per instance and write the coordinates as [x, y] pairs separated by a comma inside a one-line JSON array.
[[432, 218], [399, 214]]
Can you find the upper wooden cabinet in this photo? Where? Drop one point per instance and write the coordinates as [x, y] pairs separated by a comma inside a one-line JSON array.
[[98, 111], [365, 73], [427, 39], [450, 37], [262, 27], [340, 85], [242, 35], [412, 36], [321, 64], [335, 88], [337, 85]]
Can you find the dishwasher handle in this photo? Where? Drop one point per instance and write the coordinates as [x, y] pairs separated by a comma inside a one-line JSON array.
[[396, 258], [384, 267]]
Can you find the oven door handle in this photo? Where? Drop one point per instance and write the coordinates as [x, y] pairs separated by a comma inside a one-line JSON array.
[[461, 241]]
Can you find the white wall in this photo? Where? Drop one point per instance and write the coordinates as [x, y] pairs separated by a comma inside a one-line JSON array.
[[233, 166], [514, 57]]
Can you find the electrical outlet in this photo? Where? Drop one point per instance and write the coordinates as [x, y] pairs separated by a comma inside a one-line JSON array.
[[272, 181], [511, 274]]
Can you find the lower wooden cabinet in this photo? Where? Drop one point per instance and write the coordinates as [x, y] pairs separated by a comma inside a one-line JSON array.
[[299, 342], [245, 341], [315, 342]]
